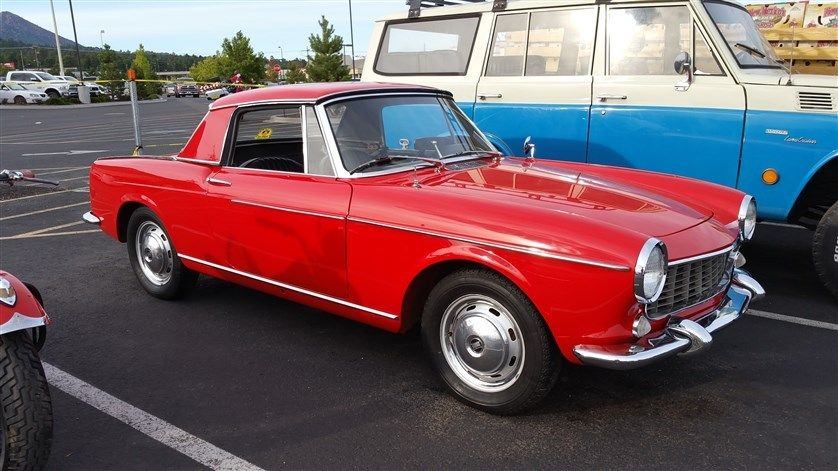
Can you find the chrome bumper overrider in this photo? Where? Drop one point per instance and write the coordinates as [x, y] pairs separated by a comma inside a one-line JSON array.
[[90, 218], [681, 336]]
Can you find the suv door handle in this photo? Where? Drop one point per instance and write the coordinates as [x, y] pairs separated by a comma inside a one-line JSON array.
[[483, 96], [606, 96], [217, 182]]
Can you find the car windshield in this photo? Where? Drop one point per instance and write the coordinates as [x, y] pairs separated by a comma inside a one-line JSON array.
[[741, 34], [373, 134], [46, 76]]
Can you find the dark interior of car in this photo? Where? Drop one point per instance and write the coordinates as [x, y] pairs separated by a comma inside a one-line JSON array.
[[283, 155]]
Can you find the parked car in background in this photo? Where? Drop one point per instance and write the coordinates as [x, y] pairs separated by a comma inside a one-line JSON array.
[[95, 89], [170, 89], [214, 93], [37, 80], [340, 196], [688, 87], [20, 95], [186, 89]]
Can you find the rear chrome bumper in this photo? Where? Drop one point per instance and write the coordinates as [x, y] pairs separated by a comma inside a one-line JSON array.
[[682, 336], [91, 218]]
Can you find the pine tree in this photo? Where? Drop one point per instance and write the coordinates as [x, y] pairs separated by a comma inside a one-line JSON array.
[[142, 66], [109, 71], [327, 63]]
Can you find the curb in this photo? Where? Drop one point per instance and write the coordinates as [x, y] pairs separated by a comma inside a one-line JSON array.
[[75, 107]]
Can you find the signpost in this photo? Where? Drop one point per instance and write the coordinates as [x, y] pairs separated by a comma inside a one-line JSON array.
[[135, 111]]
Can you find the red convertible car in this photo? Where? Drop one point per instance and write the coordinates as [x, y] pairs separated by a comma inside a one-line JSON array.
[[385, 204]]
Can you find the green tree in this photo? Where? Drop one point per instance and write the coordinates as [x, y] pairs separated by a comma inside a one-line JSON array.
[[110, 72], [237, 54], [207, 70], [327, 63], [142, 66], [296, 75]]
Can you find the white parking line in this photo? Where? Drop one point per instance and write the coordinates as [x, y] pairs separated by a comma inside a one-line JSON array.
[[35, 196], [793, 320], [49, 234], [6, 218], [66, 169], [175, 438]]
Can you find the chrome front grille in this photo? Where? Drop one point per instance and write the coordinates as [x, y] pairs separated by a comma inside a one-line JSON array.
[[690, 283]]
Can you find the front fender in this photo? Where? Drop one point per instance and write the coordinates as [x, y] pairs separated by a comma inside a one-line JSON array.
[[27, 311]]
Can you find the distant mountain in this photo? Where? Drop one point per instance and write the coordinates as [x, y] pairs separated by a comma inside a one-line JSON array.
[[15, 28]]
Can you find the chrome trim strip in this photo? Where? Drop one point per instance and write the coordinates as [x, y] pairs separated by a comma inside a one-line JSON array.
[[91, 218], [19, 321], [291, 101], [513, 248], [297, 289], [699, 257], [210, 163], [288, 210]]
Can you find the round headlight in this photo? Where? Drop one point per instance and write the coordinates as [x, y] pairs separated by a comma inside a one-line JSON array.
[[7, 292], [747, 217], [650, 271]]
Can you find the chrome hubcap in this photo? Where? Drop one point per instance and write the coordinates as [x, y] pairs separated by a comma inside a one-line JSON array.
[[154, 253], [482, 343]]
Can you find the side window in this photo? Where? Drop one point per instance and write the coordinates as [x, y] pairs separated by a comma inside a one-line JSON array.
[[509, 46], [316, 155], [561, 42], [436, 46], [704, 59], [645, 40], [269, 139]]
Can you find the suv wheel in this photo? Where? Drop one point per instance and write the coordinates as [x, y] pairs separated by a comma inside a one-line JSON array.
[[825, 249]]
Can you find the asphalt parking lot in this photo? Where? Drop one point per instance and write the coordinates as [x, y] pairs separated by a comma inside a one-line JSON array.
[[279, 385]]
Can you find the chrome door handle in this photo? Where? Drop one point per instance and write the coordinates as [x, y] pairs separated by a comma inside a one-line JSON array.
[[217, 182], [606, 96], [483, 96]]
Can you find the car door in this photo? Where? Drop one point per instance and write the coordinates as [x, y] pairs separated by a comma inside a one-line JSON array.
[[645, 115], [537, 81], [280, 210]]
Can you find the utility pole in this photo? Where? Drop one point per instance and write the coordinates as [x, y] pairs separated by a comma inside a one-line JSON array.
[[102, 37], [57, 42], [84, 92], [352, 38]]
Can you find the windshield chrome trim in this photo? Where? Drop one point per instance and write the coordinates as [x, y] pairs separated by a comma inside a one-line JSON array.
[[296, 289], [497, 245], [331, 143]]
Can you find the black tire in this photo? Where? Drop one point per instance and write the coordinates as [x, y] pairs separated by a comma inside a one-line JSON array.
[[4, 443], [19, 100], [825, 249], [26, 404], [539, 371], [53, 94], [178, 279]]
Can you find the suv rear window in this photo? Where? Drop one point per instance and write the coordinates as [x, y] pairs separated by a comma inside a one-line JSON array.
[[427, 47]]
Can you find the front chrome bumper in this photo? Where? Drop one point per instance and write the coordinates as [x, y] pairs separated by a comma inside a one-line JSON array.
[[91, 218], [681, 336]]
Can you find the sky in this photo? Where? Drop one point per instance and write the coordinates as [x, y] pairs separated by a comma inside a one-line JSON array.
[[198, 26]]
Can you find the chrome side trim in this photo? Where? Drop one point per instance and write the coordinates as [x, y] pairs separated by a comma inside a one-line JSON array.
[[289, 210], [209, 163], [20, 322], [291, 101], [297, 289], [91, 218], [513, 248], [699, 257]]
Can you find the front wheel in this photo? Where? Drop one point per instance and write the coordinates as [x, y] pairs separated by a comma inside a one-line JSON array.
[[825, 249], [53, 94], [154, 258], [488, 342], [19, 100], [26, 405]]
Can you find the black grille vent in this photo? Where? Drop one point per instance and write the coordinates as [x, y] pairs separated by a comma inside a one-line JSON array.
[[690, 283], [816, 101]]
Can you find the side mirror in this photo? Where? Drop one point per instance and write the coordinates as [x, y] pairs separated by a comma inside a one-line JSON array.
[[683, 65], [529, 148]]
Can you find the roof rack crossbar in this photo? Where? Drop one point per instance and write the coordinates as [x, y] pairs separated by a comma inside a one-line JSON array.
[[417, 5]]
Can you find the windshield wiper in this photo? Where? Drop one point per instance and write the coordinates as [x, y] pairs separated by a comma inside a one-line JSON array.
[[752, 50], [388, 158], [470, 152]]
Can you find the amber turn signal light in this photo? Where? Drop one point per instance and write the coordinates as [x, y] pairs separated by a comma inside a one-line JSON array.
[[770, 176]]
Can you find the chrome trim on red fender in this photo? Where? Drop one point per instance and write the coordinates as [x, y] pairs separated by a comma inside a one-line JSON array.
[[21, 322], [91, 218], [297, 289], [513, 248], [288, 210]]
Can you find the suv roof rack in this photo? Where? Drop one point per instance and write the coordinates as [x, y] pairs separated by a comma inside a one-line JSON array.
[[417, 5]]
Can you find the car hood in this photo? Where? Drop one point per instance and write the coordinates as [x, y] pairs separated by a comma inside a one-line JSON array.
[[552, 189]]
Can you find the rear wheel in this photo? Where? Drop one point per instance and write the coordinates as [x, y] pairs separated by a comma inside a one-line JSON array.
[[26, 405], [154, 258], [19, 100], [488, 342], [825, 249]]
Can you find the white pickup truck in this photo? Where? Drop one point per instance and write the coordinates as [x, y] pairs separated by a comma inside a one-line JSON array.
[[37, 80]]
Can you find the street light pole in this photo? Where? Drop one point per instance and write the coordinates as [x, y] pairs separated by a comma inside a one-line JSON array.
[[352, 38], [76, 39], [57, 43], [102, 37]]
